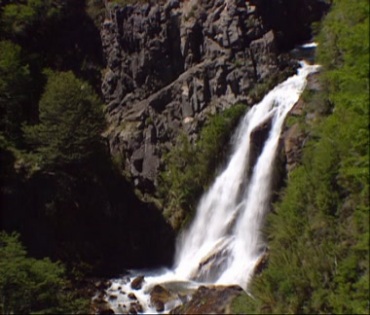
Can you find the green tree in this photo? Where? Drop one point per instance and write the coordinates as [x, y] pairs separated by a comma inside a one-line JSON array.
[[31, 285], [319, 233], [71, 121], [19, 18], [14, 85]]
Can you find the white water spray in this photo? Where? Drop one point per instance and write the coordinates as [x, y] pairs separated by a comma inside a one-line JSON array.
[[224, 242], [228, 220]]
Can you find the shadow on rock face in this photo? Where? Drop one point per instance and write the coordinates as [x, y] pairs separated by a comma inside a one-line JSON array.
[[89, 218], [291, 19]]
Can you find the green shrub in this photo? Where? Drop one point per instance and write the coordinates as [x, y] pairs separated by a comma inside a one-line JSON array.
[[32, 285], [191, 167], [318, 236], [14, 90], [71, 121]]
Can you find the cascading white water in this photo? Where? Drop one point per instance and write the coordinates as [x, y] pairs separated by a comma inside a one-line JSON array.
[[227, 248], [224, 242]]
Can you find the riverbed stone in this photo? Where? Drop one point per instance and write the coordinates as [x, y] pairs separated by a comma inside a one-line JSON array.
[[137, 283], [209, 300], [159, 296]]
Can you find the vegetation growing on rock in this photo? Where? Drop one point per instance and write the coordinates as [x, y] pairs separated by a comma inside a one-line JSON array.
[[60, 191], [318, 237], [59, 188], [190, 167]]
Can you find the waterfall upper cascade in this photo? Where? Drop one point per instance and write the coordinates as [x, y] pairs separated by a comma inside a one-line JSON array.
[[224, 242]]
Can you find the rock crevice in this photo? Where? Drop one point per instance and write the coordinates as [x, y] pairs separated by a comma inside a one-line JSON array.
[[169, 65]]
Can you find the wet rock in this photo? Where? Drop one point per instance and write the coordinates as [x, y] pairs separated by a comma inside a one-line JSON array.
[[100, 305], [102, 285], [261, 263], [105, 311], [99, 299], [135, 308], [113, 297], [132, 296], [137, 283], [258, 138], [159, 296], [209, 300]]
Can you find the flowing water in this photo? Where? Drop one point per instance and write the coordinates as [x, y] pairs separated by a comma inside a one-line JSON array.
[[224, 242]]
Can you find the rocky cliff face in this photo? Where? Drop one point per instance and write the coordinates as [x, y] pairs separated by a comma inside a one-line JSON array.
[[170, 65]]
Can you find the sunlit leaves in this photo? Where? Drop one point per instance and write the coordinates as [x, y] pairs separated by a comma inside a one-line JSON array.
[[319, 235]]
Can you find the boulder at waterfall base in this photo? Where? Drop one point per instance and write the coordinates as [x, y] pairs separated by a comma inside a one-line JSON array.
[[209, 300], [137, 283]]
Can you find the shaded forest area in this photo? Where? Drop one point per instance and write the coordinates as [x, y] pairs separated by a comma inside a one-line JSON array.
[[61, 195], [64, 199]]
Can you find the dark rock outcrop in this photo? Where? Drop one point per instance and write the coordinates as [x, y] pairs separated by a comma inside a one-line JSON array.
[[100, 306], [132, 296], [209, 300], [258, 138], [291, 19], [135, 308], [137, 283], [170, 65], [159, 296]]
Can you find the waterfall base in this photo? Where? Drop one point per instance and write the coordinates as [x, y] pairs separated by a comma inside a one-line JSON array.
[[172, 297], [224, 244]]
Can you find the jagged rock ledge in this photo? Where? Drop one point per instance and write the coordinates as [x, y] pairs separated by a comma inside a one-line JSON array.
[[170, 64]]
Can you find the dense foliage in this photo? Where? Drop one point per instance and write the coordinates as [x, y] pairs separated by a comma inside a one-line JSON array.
[[71, 121], [14, 90], [61, 193], [59, 188], [191, 166], [29, 285], [319, 234]]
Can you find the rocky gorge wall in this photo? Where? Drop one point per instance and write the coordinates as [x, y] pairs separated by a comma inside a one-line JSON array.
[[170, 65]]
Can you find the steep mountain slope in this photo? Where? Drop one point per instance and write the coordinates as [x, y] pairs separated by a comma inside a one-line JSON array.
[[319, 234], [172, 65]]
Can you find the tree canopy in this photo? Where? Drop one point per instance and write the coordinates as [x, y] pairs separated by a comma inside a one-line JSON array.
[[14, 89], [32, 285], [319, 235], [71, 121]]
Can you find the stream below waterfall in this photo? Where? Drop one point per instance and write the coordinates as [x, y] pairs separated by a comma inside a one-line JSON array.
[[224, 243]]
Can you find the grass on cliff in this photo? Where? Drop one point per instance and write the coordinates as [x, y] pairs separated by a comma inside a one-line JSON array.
[[319, 235], [190, 167]]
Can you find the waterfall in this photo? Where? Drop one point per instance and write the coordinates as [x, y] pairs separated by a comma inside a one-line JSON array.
[[224, 242]]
